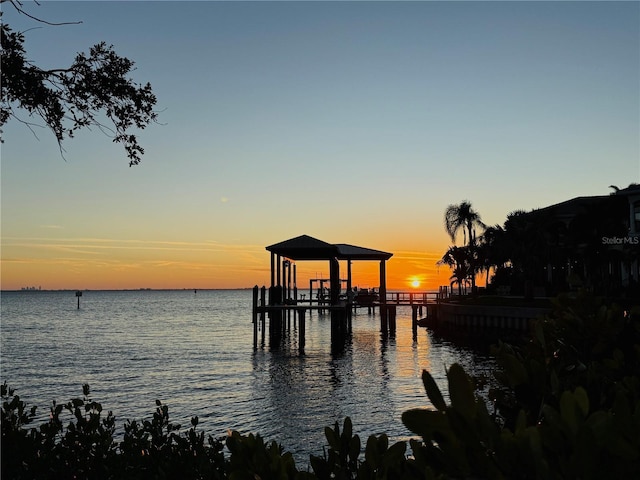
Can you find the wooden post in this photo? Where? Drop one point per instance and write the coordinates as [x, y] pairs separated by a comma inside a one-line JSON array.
[[254, 317], [273, 262], [301, 332], [295, 279], [263, 295], [383, 283], [275, 316], [295, 297], [334, 281], [78, 294], [289, 284], [278, 274], [338, 326], [286, 291], [392, 319], [414, 320], [384, 326]]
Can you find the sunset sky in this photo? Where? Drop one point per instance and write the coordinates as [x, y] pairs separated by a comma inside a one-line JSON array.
[[352, 122]]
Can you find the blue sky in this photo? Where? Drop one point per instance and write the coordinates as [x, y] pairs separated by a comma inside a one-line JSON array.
[[355, 122]]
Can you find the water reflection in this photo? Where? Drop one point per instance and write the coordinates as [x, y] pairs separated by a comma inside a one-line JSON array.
[[194, 353], [370, 376]]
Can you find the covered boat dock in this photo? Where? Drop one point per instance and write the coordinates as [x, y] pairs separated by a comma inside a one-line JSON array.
[[283, 289]]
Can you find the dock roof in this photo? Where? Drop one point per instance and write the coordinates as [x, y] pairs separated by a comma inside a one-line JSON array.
[[305, 247], [352, 252]]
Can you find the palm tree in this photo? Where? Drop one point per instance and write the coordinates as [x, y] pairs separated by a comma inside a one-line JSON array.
[[464, 217], [458, 259], [460, 276], [491, 250]]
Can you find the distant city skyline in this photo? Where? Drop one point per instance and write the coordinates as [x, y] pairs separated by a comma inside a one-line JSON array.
[[352, 122]]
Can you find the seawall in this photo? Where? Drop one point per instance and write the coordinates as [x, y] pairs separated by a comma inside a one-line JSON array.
[[452, 316]]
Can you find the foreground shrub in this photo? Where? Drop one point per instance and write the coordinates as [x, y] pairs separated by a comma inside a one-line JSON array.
[[566, 405], [85, 447]]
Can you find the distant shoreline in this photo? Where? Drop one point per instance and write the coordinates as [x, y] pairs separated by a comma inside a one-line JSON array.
[[26, 290], [122, 290]]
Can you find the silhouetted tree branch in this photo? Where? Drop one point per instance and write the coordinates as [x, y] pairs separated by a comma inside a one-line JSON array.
[[73, 98]]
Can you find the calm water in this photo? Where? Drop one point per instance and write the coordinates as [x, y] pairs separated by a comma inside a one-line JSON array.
[[195, 353]]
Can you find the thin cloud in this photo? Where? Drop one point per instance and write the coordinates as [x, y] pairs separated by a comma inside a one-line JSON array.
[[422, 256], [81, 244]]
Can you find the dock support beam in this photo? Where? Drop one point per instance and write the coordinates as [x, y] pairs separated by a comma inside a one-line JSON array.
[[383, 282], [388, 319], [263, 297], [414, 320], [254, 317], [301, 330], [392, 319]]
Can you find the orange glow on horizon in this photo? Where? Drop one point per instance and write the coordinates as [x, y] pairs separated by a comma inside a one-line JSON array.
[[91, 264]]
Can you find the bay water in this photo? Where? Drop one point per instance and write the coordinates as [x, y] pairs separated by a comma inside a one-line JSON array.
[[194, 352]]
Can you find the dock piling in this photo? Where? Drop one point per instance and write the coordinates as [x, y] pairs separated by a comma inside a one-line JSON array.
[[414, 320], [301, 330], [254, 317]]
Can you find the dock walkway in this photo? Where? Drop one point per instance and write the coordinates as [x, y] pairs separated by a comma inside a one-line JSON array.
[[341, 313]]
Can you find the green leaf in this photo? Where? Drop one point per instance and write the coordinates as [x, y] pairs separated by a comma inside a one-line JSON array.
[[555, 382], [568, 411], [433, 392], [582, 401], [347, 430], [461, 391], [425, 422], [539, 333], [320, 466], [521, 422], [599, 423], [514, 370], [354, 447], [396, 451], [383, 442], [332, 438], [371, 452]]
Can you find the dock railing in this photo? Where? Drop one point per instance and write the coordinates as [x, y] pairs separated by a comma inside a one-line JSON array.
[[413, 298]]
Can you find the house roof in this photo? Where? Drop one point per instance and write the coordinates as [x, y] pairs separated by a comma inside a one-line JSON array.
[[305, 247], [570, 208], [596, 210], [631, 190]]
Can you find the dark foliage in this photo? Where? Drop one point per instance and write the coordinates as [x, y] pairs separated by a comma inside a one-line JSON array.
[[567, 405]]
